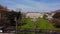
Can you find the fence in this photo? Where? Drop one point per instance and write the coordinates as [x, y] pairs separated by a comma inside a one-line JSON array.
[[40, 31]]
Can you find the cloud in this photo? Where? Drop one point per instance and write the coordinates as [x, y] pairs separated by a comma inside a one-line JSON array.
[[32, 5]]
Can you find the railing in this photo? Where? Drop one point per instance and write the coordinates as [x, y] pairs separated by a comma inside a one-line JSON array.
[[41, 31]]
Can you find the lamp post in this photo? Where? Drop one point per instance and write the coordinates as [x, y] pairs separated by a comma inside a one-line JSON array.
[[16, 24], [16, 18]]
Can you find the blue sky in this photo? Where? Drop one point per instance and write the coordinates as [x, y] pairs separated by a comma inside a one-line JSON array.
[[32, 5]]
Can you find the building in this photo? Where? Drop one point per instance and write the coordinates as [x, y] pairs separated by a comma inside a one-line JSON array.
[[34, 15]]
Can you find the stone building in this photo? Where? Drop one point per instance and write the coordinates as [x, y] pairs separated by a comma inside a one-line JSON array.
[[34, 15]]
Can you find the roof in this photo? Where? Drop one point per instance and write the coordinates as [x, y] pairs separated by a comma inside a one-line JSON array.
[[33, 12]]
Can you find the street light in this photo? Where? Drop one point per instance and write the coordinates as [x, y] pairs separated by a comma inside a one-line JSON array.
[[16, 24], [16, 18]]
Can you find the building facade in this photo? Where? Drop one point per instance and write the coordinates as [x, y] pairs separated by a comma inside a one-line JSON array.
[[34, 15]]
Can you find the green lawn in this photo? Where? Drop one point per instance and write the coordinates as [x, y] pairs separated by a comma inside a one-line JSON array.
[[44, 24], [30, 24], [41, 24]]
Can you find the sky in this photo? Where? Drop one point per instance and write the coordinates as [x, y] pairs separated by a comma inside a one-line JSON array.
[[32, 5]]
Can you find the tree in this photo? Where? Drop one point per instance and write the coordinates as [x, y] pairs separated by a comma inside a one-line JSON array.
[[12, 15], [57, 15], [45, 16], [3, 18], [56, 19]]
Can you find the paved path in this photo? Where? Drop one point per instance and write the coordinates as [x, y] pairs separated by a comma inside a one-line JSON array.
[[7, 33]]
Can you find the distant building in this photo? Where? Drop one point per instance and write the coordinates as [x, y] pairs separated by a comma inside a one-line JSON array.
[[34, 15]]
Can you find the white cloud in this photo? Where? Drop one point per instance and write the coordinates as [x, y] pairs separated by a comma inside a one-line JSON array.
[[34, 6]]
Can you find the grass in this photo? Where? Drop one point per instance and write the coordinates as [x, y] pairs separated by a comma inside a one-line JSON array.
[[30, 24], [44, 24], [40, 23]]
